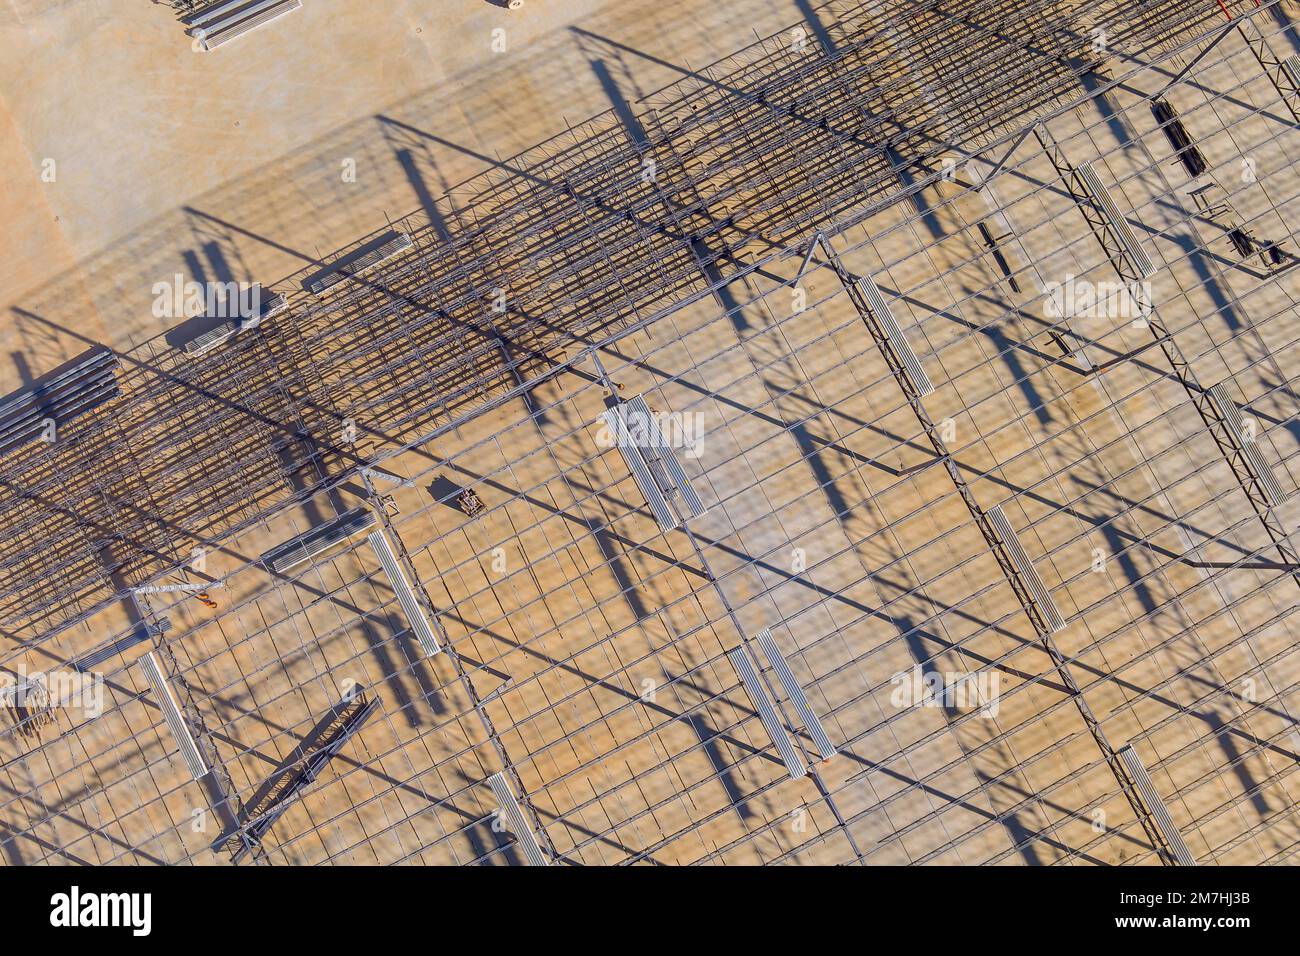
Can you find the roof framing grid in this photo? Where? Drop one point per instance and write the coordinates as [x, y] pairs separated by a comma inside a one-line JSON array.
[[978, 675]]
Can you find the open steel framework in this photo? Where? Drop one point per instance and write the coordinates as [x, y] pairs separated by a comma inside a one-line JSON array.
[[1070, 545]]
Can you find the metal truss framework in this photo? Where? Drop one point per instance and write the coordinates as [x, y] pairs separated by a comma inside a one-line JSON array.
[[1121, 256], [1284, 80], [804, 146], [1045, 621], [749, 159]]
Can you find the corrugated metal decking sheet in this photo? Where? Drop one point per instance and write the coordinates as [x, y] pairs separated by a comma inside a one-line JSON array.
[[1117, 222], [739, 658], [675, 472], [142, 632], [1042, 597], [172, 715], [515, 818], [1264, 472], [318, 540], [885, 316], [215, 336], [1259, 466], [796, 694], [333, 275], [222, 11], [1133, 764], [218, 32], [405, 596], [640, 471]]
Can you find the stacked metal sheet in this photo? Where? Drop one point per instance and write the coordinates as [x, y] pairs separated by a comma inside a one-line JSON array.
[[220, 333], [1133, 764], [386, 247], [1025, 568], [415, 616], [653, 464], [739, 658], [796, 695], [1292, 66], [172, 715], [897, 341], [76, 388], [226, 21], [1118, 224], [318, 540], [1247, 445], [514, 815], [141, 633]]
